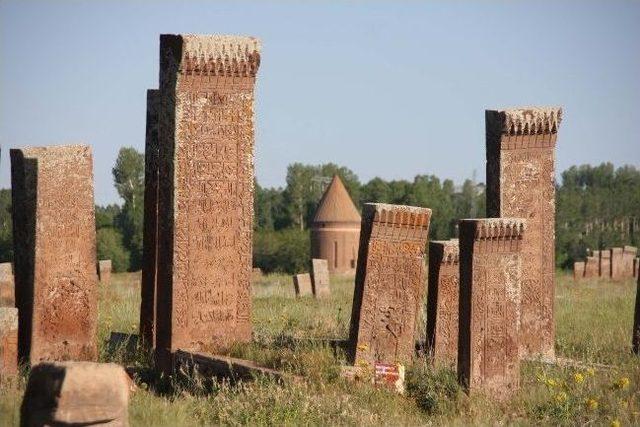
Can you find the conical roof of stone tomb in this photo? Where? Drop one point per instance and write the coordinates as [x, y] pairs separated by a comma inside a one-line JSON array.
[[336, 205]]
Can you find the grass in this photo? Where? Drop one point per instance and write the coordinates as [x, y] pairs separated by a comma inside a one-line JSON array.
[[593, 325]]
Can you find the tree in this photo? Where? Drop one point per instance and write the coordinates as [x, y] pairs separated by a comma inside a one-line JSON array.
[[6, 232]]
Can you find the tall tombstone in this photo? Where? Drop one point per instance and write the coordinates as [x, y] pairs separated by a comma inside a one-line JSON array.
[[205, 209], [55, 252], [7, 285], [578, 270], [104, 271], [521, 183], [8, 341], [150, 230], [617, 267], [442, 301], [491, 262], [605, 264], [390, 283], [320, 278], [628, 257], [591, 267]]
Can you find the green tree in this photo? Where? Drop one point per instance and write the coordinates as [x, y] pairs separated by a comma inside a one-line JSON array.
[[6, 232], [109, 246]]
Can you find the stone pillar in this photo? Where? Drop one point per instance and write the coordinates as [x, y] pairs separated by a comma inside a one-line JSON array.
[[616, 263], [490, 276], [442, 301], [104, 271], [8, 341], [320, 276], [521, 183], [54, 233], [578, 270], [390, 283], [150, 231], [591, 267], [302, 285], [605, 264], [628, 257], [205, 209]]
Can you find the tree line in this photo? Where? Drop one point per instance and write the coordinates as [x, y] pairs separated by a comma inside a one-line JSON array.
[[596, 207]]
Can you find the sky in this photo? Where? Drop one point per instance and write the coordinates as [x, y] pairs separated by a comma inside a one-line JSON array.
[[388, 89]]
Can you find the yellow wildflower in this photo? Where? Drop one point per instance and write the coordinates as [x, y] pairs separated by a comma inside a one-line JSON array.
[[551, 382], [615, 423], [363, 347], [591, 372], [592, 404], [578, 377], [622, 383], [561, 397]]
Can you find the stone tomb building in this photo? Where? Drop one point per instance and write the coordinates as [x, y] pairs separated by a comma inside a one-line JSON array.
[[335, 229], [54, 233], [390, 283], [521, 183], [442, 301], [205, 196], [490, 276]]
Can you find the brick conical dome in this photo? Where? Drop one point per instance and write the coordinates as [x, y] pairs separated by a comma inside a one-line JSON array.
[[336, 205]]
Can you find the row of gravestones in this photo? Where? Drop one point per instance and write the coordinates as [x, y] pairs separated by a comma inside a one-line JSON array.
[[614, 263], [317, 283]]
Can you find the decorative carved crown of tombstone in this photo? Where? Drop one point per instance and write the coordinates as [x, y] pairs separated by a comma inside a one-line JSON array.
[[219, 55], [395, 221], [498, 228], [524, 121], [450, 251]]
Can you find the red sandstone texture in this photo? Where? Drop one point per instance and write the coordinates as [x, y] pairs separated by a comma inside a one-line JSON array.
[[7, 285], [8, 341], [55, 252], [578, 270], [390, 283], [442, 301], [490, 289], [521, 183], [335, 230], [104, 271], [320, 278], [591, 267], [605, 264], [617, 266], [205, 197]]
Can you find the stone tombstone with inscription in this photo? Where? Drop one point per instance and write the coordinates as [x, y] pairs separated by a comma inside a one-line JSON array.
[[205, 210], [7, 285], [302, 285], [490, 288], [104, 271], [605, 264], [320, 276], [578, 270], [617, 267], [8, 341], [150, 228], [442, 301], [591, 267], [521, 183], [628, 256], [55, 252], [390, 283]]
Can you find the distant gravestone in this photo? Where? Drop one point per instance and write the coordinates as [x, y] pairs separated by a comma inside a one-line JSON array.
[[629, 254], [8, 341], [205, 196], [521, 183], [302, 285], [591, 267], [55, 252], [578, 270], [7, 285], [104, 271], [490, 277], [390, 283], [636, 267], [76, 393], [442, 301], [148, 290], [320, 276], [605, 264], [617, 265]]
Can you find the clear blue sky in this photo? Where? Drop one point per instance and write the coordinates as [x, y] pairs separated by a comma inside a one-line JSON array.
[[388, 89]]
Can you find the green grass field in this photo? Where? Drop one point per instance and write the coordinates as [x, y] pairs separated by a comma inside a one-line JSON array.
[[593, 321]]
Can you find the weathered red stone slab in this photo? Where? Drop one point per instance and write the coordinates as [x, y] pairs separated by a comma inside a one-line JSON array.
[[490, 283], [591, 267], [55, 252], [205, 210], [521, 183], [320, 278], [628, 256], [302, 285], [578, 270], [390, 283], [617, 265], [8, 341], [150, 230], [7, 285], [104, 271], [442, 301], [605, 264], [635, 339]]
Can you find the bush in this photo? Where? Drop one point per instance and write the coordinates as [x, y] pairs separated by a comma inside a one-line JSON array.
[[109, 246], [284, 251]]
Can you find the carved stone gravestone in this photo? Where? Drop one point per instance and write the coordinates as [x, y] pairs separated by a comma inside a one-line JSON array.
[[104, 271], [8, 341], [205, 209], [635, 339], [578, 270], [390, 283], [591, 267], [521, 183], [628, 256], [490, 278], [55, 252], [7, 285], [442, 301], [605, 264], [617, 267], [150, 230], [320, 276], [302, 284]]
